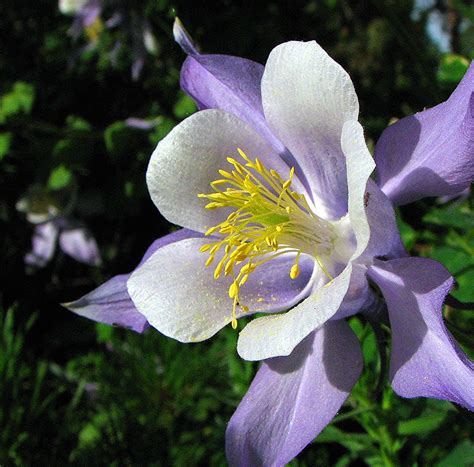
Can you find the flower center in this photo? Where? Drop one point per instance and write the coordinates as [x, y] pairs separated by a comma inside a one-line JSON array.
[[268, 219]]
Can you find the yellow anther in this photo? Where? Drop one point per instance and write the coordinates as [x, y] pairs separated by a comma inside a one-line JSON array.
[[243, 155], [214, 249], [234, 323], [275, 174], [243, 280], [248, 268], [213, 205], [233, 289], [294, 271], [225, 174], [211, 230], [209, 260], [204, 248], [218, 270], [229, 267]]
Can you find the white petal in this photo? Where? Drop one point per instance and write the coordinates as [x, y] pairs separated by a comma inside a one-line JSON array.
[[360, 165], [188, 159], [178, 295], [277, 335], [307, 97]]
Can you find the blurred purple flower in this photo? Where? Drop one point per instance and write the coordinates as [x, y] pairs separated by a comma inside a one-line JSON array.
[[74, 239], [141, 124], [298, 111], [87, 20], [86, 17]]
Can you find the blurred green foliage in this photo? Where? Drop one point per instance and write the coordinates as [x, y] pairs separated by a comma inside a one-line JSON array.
[[75, 392]]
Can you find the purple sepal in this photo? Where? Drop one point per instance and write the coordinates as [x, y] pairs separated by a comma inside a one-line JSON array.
[[43, 245], [182, 37], [293, 398], [79, 244], [111, 304], [425, 361], [430, 153]]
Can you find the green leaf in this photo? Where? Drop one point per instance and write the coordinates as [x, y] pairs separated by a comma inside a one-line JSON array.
[[161, 130], [461, 217], [19, 100], [59, 178], [104, 332], [422, 424], [352, 441], [184, 106], [5, 142], [77, 123], [462, 455], [120, 140], [452, 68], [408, 233]]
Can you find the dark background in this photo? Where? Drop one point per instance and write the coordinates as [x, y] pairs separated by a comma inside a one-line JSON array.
[[73, 391]]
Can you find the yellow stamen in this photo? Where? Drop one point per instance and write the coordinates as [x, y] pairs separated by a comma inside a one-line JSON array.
[[268, 219]]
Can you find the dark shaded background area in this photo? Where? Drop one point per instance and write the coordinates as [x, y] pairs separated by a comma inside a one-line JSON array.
[[72, 391]]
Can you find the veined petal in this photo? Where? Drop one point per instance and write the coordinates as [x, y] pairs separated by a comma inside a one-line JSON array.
[[111, 304], [224, 82], [79, 244], [307, 98], [430, 153], [278, 335], [188, 159], [180, 297], [231, 84], [358, 297], [426, 361], [293, 398], [371, 214]]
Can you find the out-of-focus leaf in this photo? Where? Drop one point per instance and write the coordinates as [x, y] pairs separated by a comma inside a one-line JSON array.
[[104, 332], [423, 424], [19, 100], [462, 217], [352, 441], [462, 455], [77, 123], [408, 233], [5, 141], [452, 68], [161, 130], [120, 139], [75, 152], [59, 178], [465, 10], [184, 106]]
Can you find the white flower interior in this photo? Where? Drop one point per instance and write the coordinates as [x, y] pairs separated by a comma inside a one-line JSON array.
[[268, 219]]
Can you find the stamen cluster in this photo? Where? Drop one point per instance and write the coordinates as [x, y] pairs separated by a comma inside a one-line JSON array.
[[269, 220]]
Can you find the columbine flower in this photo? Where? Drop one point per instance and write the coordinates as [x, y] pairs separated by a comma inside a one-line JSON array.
[[274, 174], [133, 26], [86, 17], [53, 228]]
